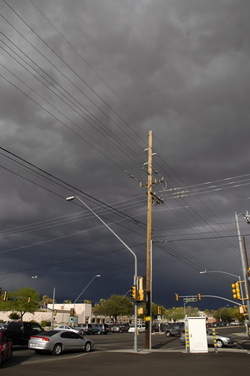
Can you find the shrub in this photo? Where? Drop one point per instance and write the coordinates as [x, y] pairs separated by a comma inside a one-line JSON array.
[[14, 316], [44, 323]]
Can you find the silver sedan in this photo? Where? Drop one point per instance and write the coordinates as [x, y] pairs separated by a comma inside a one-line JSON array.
[[220, 341], [58, 341]]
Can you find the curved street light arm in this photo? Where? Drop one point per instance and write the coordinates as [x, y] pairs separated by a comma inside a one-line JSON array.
[[129, 249], [85, 288]]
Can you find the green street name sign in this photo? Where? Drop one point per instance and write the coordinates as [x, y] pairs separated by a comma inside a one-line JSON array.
[[190, 300]]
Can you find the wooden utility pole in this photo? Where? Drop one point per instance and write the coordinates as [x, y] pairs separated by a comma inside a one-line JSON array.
[[151, 197], [149, 247]]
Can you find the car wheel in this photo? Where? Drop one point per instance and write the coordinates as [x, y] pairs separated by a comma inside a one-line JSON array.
[[88, 347], [10, 354], [57, 350], [168, 334], [219, 343]]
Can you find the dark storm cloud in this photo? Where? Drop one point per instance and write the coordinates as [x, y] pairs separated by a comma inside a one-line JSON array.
[[82, 82]]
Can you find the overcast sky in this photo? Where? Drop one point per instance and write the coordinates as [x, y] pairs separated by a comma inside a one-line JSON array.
[[82, 84]]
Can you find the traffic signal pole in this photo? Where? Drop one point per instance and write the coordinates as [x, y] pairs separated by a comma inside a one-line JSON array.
[[148, 320], [243, 264]]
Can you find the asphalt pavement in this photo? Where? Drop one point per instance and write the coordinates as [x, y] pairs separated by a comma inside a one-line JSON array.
[[140, 364], [229, 361]]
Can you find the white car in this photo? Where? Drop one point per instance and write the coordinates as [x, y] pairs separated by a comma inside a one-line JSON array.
[[65, 327], [140, 327]]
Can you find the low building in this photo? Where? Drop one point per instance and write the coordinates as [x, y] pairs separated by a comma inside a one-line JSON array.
[[62, 314]]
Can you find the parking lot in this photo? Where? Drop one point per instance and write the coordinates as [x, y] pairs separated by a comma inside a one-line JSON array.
[[125, 342], [115, 353]]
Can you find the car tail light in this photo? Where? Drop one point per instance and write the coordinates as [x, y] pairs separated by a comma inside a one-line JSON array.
[[42, 338]]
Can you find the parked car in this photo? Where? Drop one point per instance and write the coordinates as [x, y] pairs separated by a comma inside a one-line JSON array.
[[100, 329], [5, 347], [66, 327], [140, 327], [57, 341], [221, 341], [20, 331], [84, 328], [155, 328], [120, 328], [174, 329]]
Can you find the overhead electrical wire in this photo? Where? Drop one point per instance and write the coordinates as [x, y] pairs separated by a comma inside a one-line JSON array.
[[56, 68], [26, 95]]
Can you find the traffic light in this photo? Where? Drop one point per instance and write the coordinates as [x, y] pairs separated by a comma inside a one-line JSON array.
[[198, 296], [133, 292], [5, 295], [140, 296], [236, 291], [243, 309], [177, 297], [140, 311], [72, 312], [140, 292], [159, 310], [55, 312], [29, 299]]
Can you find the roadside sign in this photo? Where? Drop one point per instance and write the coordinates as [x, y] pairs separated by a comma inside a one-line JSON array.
[[190, 300]]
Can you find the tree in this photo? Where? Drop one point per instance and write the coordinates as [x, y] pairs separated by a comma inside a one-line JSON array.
[[228, 314], [116, 305], [14, 316], [46, 300], [18, 301]]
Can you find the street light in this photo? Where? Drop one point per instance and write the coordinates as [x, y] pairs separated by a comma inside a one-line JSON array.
[[221, 271], [85, 288], [223, 310], [53, 299], [129, 249]]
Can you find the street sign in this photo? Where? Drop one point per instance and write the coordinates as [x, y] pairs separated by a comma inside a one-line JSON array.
[[190, 300]]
